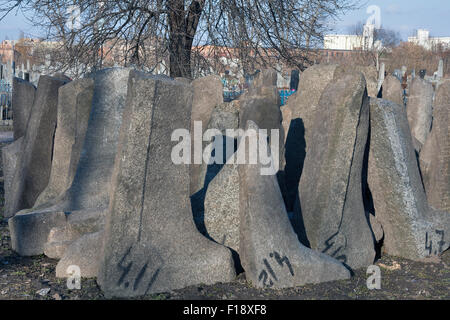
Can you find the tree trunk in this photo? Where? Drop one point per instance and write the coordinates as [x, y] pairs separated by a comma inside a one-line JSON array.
[[182, 29]]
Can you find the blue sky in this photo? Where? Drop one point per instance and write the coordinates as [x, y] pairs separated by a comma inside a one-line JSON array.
[[401, 15]]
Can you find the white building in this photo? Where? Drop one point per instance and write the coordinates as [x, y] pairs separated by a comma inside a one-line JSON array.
[[351, 42], [423, 39]]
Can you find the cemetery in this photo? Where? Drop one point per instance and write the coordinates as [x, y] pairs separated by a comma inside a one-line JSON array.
[[224, 151], [90, 184]]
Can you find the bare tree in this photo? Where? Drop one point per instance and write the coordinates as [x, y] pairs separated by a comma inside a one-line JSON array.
[[150, 32]]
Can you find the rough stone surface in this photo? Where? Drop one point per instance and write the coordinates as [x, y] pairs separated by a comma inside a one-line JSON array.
[[222, 208], [370, 74], [74, 107], [412, 229], [392, 90], [208, 93], [420, 109], [270, 252], [377, 228], [151, 243], [330, 188], [77, 224], [22, 102], [435, 155], [35, 159], [298, 117], [84, 253], [91, 184], [10, 154]]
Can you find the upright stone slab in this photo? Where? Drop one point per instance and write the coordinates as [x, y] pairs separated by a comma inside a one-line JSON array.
[[420, 110], [221, 217], [298, 117], [330, 191], [91, 185], [381, 76], [435, 155], [35, 159], [22, 102], [74, 107], [392, 90], [151, 243], [208, 93], [411, 228], [370, 74], [262, 105], [270, 252], [10, 154]]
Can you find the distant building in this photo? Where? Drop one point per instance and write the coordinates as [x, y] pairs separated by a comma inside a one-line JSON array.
[[423, 39], [351, 42]]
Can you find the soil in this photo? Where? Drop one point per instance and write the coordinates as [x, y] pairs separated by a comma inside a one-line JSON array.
[[33, 278]]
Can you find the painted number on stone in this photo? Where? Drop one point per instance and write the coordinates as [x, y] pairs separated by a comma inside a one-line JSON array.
[[333, 241], [440, 243], [268, 275], [125, 268]]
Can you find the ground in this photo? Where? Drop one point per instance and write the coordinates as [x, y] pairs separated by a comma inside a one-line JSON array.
[[34, 278]]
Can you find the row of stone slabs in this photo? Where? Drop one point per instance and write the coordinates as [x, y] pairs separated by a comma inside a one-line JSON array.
[[108, 209]]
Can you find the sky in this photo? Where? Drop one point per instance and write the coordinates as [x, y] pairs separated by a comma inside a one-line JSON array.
[[403, 16]]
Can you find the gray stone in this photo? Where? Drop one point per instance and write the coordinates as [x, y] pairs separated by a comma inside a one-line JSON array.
[[221, 215], [91, 185], [381, 76], [370, 74], [420, 109], [74, 106], [435, 155], [208, 93], [412, 229], [330, 188], [151, 243], [22, 103], [377, 228], [77, 224], [84, 253], [392, 90], [35, 159], [298, 118], [270, 252], [10, 154]]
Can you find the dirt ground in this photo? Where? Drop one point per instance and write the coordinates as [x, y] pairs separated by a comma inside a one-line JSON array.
[[24, 278]]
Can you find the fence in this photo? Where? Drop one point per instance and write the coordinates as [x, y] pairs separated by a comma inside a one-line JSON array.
[[285, 94], [5, 104]]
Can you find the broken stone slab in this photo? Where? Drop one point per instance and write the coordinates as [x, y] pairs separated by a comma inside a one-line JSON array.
[[22, 102], [151, 243], [330, 191], [270, 252], [224, 117], [208, 93], [392, 90], [420, 110], [74, 106], [35, 159], [298, 117], [435, 155], [77, 224], [370, 74], [83, 253], [412, 229], [29, 231], [10, 154], [90, 187], [221, 217]]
